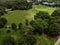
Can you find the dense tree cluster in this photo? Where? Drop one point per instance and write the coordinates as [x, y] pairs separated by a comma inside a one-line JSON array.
[[2, 11], [23, 40], [43, 15], [44, 23], [56, 13], [8, 41], [26, 40], [3, 22], [53, 30], [39, 25], [18, 5]]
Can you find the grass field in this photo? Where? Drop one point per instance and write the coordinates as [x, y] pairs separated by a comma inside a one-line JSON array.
[[18, 16], [50, 10]]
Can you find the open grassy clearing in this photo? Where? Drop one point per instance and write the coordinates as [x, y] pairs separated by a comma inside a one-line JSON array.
[[50, 10], [18, 16]]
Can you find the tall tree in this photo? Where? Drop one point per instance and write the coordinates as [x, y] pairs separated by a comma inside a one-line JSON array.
[[14, 26]]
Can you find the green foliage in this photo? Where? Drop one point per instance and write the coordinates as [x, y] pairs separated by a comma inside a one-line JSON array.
[[18, 5], [2, 11], [8, 41], [14, 26], [39, 25], [26, 40], [53, 20], [53, 30], [20, 26], [43, 15], [56, 13], [9, 4], [44, 23], [26, 22], [54, 27], [22, 5], [22, 15], [3, 22], [8, 31]]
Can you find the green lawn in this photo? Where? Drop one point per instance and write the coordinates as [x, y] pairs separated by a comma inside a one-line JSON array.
[[50, 10], [18, 16]]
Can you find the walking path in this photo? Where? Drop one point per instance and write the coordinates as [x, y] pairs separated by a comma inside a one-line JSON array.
[[57, 42]]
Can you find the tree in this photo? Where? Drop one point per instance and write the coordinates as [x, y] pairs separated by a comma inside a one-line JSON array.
[[8, 31], [22, 5], [14, 26], [42, 15], [53, 20], [3, 22], [56, 13], [53, 30], [9, 4], [20, 26], [2, 11], [26, 40], [27, 22], [8, 41], [39, 25]]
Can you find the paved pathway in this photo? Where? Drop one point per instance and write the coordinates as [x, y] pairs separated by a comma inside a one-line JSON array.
[[57, 42]]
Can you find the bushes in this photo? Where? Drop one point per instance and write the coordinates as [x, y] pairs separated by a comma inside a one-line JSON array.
[[8, 4], [8, 41], [53, 30], [23, 40], [39, 26], [56, 13], [43, 15], [43, 23], [18, 5], [3, 22], [14, 26], [20, 25], [2, 11], [26, 40]]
